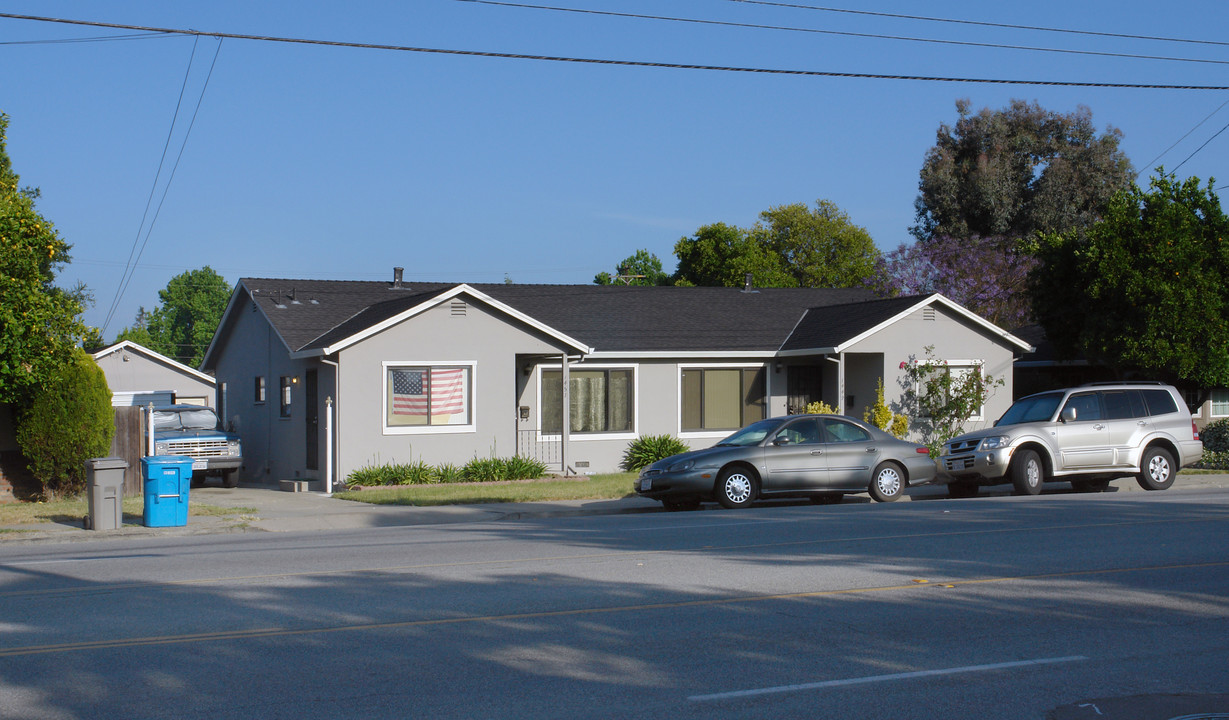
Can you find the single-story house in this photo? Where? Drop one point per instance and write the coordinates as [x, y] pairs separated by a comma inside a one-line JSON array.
[[568, 374], [139, 376]]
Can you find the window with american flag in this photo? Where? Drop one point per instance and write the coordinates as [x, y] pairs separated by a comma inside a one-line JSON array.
[[427, 396]]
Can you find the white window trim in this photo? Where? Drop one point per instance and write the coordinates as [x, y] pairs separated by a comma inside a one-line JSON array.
[[587, 437], [968, 363], [712, 434], [1212, 404], [472, 426]]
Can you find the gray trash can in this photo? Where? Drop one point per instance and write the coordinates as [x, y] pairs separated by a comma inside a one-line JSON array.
[[105, 484]]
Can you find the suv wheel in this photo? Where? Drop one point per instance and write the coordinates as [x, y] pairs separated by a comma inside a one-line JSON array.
[[1156, 469], [1027, 473]]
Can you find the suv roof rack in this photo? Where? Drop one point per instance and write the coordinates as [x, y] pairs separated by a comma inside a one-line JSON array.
[[1125, 382]]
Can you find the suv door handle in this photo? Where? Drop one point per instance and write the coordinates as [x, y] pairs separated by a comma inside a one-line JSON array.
[[817, 452], [872, 450], [1098, 426]]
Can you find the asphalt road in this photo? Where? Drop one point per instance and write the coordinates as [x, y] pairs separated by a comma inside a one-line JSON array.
[[1109, 605]]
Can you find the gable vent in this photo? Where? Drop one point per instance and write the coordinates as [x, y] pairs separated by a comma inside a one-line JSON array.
[[928, 314], [458, 308]]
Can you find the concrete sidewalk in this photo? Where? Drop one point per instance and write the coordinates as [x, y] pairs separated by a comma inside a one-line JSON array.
[[268, 509]]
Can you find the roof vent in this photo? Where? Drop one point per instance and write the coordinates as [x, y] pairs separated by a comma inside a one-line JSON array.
[[397, 277], [748, 285]]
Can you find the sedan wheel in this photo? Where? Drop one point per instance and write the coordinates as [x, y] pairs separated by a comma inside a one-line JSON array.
[[1156, 471], [735, 488], [887, 482]]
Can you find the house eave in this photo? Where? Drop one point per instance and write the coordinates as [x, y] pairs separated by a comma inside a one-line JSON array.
[[463, 288]]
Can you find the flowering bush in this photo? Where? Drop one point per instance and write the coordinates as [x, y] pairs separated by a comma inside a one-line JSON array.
[[940, 399]]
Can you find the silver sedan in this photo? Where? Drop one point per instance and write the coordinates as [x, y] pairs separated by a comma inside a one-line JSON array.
[[822, 457]]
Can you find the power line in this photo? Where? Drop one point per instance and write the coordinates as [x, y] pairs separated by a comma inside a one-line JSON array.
[[1205, 144], [625, 63], [166, 188], [842, 33], [1154, 160], [129, 269], [1009, 26], [99, 38]]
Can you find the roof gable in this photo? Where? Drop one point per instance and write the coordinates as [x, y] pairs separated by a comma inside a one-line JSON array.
[[129, 346]]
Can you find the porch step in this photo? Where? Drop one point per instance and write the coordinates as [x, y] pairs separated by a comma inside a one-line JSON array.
[[294, 485]]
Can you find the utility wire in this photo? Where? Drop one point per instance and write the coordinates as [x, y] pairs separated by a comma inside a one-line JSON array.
[[621, 63], [100, 38], [1094, 33], [1205, 144], [1152, 163], [842, 33], [170, 132], [170, 178]]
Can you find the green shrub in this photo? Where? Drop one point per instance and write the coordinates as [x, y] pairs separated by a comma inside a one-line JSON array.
[[520, 468], [820, 408], [1215, 436], [484, 470], [417, 473], [882, 417], [1213, 460], [646, 450], [68, 422], [449, 473]]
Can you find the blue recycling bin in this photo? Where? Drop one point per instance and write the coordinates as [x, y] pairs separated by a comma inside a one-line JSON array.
[[167, 480]]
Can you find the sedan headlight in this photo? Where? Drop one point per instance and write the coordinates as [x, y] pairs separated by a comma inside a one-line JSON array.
[[993, 443], [681, 466]]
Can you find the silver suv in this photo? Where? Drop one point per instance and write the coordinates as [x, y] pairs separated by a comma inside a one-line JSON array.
[[1088, 435]]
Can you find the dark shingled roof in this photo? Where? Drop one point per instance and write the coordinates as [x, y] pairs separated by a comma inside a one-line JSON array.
[[313, 314], [830, 326]]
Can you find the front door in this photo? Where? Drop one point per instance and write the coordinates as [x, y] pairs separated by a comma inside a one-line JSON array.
[[312, 419], [850, 451], [1084, 442], [795, 458], [804, 385]]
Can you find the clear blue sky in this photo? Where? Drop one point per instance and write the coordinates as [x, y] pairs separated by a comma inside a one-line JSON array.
[[339, 163]]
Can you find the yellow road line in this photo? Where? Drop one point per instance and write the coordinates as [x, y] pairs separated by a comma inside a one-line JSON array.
[[92, 589], [575, 612]]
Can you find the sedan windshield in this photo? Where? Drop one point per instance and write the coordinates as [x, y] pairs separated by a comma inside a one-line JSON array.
[[753, 434], [1035, 408], [194, 419]]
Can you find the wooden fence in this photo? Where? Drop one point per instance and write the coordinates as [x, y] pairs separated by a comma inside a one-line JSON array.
[[129, 444]]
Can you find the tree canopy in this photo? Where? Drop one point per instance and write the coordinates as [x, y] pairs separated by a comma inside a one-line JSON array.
[[790, 246], [1017, 171], [642, 268], [1146, 290], [182, 326], [39, 323]]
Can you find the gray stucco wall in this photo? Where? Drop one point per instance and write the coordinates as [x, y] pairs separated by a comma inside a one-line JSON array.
[[274, 447], [490, 342], [953, 338], [128, 370]]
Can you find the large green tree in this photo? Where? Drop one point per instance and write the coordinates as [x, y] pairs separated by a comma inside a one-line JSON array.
[[1016, 171], [1146, 290], [642, 268], [722, 255], [790, 246], [40, 323], [182, 325], [819, 247]]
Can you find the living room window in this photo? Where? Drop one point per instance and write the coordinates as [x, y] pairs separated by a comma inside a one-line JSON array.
[[602, 400], [427, 397], [721, 398]]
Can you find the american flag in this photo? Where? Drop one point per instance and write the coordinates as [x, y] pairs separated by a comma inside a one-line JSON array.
[[444, 389]]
